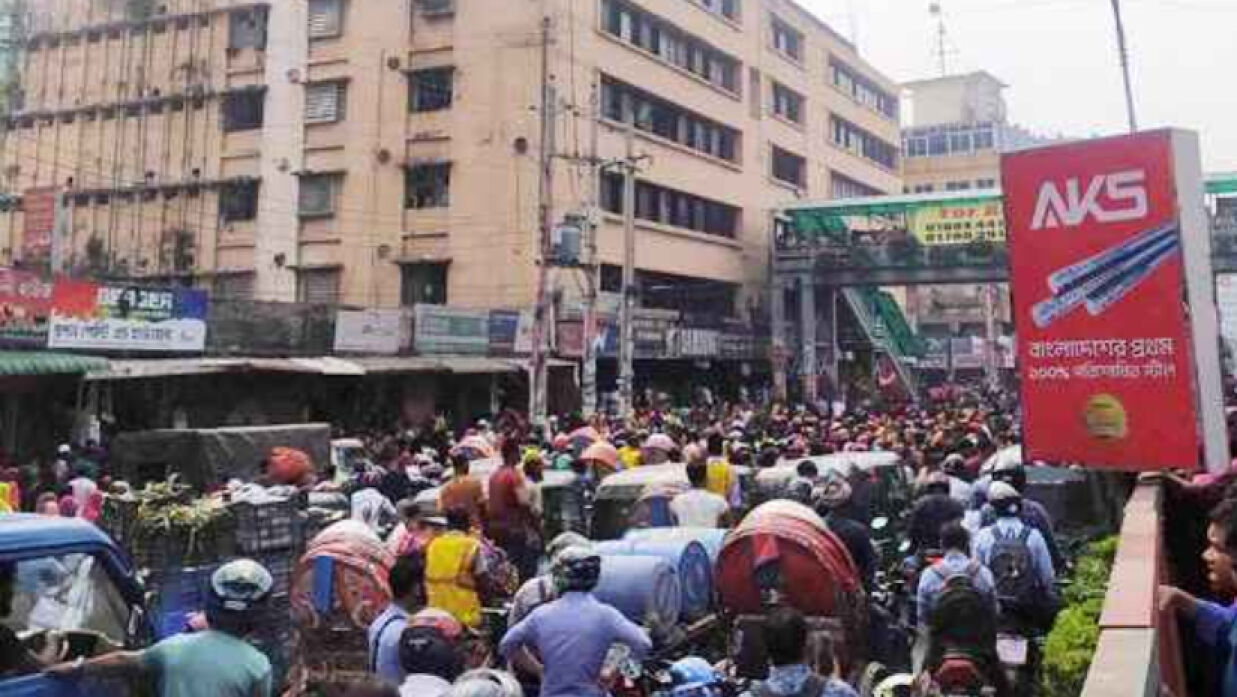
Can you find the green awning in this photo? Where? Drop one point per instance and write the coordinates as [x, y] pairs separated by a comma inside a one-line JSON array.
[[14, 363]]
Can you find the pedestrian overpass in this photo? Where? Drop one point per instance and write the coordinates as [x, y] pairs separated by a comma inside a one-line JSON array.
[[838, 254]]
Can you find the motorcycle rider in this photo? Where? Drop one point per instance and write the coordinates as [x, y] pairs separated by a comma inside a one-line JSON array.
[[216, 662], [790, 675], [1011, 471], [1021, 566], [957, 610], [931, 512], [429, 655], [695, 677], [573, 634]]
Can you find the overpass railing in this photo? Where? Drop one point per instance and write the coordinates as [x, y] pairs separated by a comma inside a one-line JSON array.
[[1138, 654]]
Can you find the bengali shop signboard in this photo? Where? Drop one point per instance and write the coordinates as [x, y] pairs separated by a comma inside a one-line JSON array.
[[369, 331], [25, 306], [1102, 234], [127, 318]]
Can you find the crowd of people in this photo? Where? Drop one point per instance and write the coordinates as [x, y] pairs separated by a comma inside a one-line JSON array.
[[976, 543]]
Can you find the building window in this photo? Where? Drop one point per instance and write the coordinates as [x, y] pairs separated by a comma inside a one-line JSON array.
[[726, 8], [247, 29], [325, 102], [428, 185], [852, 83], [957, 186], [436, 8], [857, 141], [243, 111], [318, 195], [658, 204], [985, 183], [318, 286], [627, 104], [431, 89], [953, 139], [787, 103], [787, 40], [789, 168], [326, 18], [653, 35], [423, 284], [841, 186], [924, 188], [232, 287], [238, 201]]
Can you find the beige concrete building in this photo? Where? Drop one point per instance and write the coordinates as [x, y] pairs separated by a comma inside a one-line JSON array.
[[956, 128], [385, 154]]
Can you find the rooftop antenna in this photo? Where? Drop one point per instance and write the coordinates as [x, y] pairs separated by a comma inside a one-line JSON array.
[[934, 9]]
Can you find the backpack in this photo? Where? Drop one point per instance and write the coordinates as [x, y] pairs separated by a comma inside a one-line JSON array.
[[961, 616], [1013, 570]]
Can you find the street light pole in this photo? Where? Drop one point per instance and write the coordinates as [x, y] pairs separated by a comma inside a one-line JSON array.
[[627, 345], [1124, 56]]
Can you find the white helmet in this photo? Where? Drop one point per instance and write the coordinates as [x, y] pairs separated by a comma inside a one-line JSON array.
[[486, 682]]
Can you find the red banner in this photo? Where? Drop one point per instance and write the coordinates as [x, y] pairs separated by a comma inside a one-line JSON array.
[[1098, 286], [38, 222]]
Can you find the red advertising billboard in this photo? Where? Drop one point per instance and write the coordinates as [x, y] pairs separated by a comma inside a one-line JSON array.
[[1099, 288], [39, 221]]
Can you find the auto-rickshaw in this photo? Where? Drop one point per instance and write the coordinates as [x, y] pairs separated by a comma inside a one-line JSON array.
[[640, 497], [783, 554], [73, 579]]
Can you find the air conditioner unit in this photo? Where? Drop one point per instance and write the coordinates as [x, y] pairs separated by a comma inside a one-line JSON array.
[[565, 241]]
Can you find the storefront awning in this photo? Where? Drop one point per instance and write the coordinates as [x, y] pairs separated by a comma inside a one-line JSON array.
[[18, 363], [458, 365]]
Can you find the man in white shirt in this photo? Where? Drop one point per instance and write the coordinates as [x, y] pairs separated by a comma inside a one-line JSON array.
[[698, 507]]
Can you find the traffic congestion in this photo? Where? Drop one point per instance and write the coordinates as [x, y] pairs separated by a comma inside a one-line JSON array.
[[698, 551]]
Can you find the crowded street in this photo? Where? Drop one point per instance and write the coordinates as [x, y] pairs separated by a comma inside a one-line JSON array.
[[617, 348]]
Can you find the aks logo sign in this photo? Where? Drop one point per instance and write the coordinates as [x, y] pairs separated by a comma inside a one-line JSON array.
[[1124, 198]]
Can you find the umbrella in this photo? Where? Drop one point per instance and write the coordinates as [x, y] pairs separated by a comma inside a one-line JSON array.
[[475, 448], [602, 452], [584, 433], [659, 441]]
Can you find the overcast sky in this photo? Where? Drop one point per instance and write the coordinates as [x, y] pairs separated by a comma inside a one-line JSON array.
[[1060, 61]]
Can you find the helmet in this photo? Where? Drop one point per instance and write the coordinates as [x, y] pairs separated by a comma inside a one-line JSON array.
[[693, 676], [486, 682], [1009, 468], [576, 569], [954, 465], [1004, 498], [564, 540], [800, 489], [425, 650], [240, 585], [895, 686], [833, 491]]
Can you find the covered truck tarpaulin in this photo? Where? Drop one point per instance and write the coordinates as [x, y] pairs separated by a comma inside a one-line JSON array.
[[205, 457]]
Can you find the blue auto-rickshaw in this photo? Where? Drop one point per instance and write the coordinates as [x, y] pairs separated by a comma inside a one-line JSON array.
[[73, 579]]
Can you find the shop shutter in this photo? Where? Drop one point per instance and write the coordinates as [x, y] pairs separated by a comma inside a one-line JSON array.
[[319, 286]]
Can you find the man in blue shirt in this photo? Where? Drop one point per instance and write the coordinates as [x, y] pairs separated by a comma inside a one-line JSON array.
[[957, 562], [573, 634], [1034, 600], [786, 640], [1215, 625], [406, 579]]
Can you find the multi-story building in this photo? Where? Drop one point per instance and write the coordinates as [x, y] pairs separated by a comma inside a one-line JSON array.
[[382, 154], [956, 129]]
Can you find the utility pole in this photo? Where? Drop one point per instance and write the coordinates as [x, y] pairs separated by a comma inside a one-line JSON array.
[[1124, 57], [588, 378], [936, 10], [537, 380], [627, 347]]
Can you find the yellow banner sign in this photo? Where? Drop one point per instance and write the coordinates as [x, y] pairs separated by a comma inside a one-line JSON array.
[[951, 223]]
